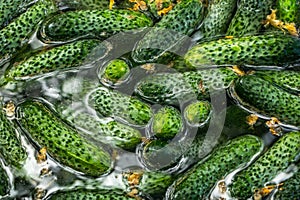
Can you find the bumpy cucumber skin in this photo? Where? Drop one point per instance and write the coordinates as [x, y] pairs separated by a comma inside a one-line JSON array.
[[197, 112], [115, 104], [287, 10], [290, 188], [179, 22], [268, 99], [116, 71], [63, 142], [173, 88], [4, 185], [167, 122], [197, 182], [276, 159], [288, 80], [83, 194], [219, 15], [265, 50], [99, 23], [62, 57], [249, 16], [11, 148], [15, 34], [87, 4]]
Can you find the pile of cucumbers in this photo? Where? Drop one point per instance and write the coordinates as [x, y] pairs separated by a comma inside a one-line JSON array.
[[150, 99]]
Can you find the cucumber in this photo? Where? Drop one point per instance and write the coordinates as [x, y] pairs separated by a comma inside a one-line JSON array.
[[278, 157], [100, 23], [4, 184], [115, 72], [176, 87], [167, 123], [111, 103], [198, 181], [156, 7], [61, 57], [63, 142], [290, 188], [11, 149], [83, 194], [84, 5], [260, 50], [220, 13], [249, 16], [197, 113], [181, 21], [267, 99], [17, 33], [287, 10]]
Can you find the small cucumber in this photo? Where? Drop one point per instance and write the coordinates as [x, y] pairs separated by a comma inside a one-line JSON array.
[[11, 149], [198, 181], [283, 153], [260, 50], [115, 72], [267, 99], [290, 188], [4, 184], [176, 87], [17, 33], [98, 23], [63, 142], [287, 10], [197, 113], [112, 103], [181, 21], [249, 16], [85, 5]]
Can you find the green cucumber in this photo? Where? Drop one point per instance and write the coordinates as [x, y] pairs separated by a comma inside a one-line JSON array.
[[267, 99], [87, 4], [61, 57], [17, 33], [197, 113], [83, 194], [167, 123], [181, 21], [11, 149], [290, 188], [287, 10], [99, 23], [220, 13], [278, 158], [4, 184], [63, 142], [112, 103], [249, 16], [115, 72], [198, 181], [176, 87], [260, 50]]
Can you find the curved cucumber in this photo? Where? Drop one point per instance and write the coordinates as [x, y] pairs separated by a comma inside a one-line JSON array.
[[176, 87], [112, 103], [290, 188], [99, 23], [173, 27], [268, 99], [265, 50], [62, 57], [283, 153], [4, 184], [63, 142], [197, 182], [11, 148], [17, 33], [249, 16]]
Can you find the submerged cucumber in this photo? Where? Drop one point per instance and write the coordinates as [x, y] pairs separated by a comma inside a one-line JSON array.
[[4, 184], [173, 27], [290, 188], [115, 72], [268, 99], [249, 16], [198, 181], [197, 113], [63, 142], [287, 10], [283, 153], [115, 104], [99, 23], [11, 148], [17, 33], [177, 87], [265, 50]]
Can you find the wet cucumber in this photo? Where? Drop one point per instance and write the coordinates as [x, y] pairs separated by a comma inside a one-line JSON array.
[[290, 188], [198, 181], [249, 16], [115, 72], [11, 149], [287, 10], [87, 4], [197, 113], [267, 99], [173, 27], [17, 33], [61, 57], [176, 87], [4, 184], [283, 153], [111, 103], [97, 23], [63, 142], [260, 50]]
